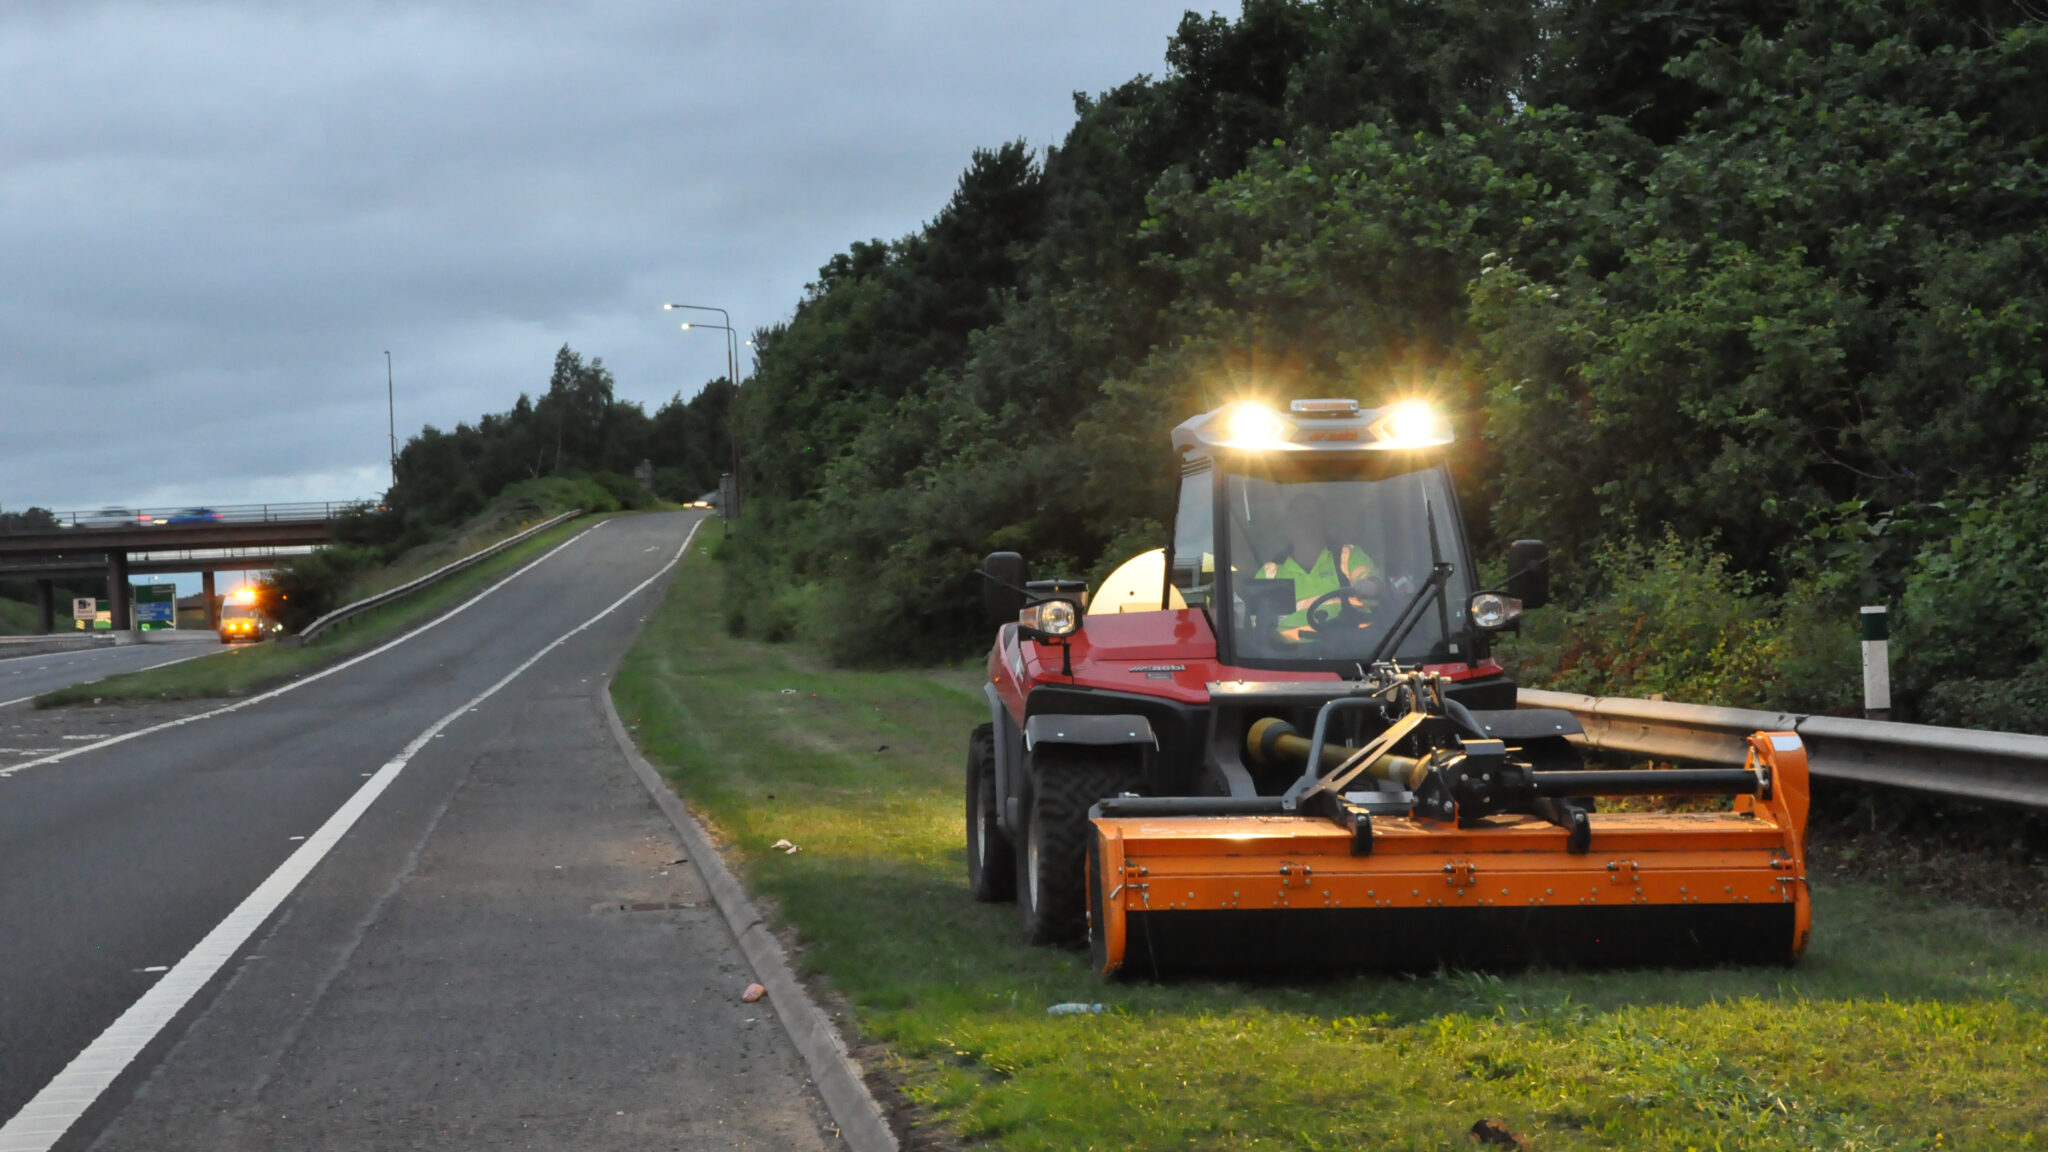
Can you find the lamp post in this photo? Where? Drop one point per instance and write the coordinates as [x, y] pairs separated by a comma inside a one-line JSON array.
[[732, 359], [730, 502], [391, 416]]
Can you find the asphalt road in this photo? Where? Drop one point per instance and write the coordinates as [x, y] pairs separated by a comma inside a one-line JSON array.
[[24, 677], [502, 950]]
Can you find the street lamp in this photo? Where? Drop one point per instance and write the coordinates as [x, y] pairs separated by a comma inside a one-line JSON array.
[[732, 358], [391, 416], [730, 508]]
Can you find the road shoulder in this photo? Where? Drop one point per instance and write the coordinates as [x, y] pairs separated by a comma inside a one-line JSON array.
[[833, 1069]]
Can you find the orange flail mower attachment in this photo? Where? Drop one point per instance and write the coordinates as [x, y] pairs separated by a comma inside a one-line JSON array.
[[1174, 893]]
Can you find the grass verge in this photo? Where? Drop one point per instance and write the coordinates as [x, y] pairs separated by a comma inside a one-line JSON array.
[[250, 668], [17, 618], [1909, 1025]]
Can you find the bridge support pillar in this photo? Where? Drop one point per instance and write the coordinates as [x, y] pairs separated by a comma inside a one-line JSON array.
[[46, 606], [118, 595], [212, 605]]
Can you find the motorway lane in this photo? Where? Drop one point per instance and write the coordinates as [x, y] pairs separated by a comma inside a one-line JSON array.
[[119, 860], [25, 677]]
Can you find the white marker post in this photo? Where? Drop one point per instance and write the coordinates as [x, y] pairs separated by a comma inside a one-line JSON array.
[[1877, 663]]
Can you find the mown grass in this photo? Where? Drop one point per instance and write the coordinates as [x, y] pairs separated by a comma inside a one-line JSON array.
[[248, 668], [1907, 1026]]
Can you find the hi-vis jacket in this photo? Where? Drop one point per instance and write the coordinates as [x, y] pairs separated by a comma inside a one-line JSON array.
[[1326, 575]]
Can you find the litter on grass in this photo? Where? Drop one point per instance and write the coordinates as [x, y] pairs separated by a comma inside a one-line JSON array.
[[785, 847], [1073, 1009]]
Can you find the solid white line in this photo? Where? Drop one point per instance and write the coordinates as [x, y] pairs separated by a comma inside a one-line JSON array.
[[97, 679], [44, 1119], [297, 684]]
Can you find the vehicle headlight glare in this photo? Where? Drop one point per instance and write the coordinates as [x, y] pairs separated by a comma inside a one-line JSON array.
[[1412, 424], [1491, 610], [1250, 423]]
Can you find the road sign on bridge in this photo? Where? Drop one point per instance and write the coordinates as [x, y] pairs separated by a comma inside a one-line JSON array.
[[156, 606]]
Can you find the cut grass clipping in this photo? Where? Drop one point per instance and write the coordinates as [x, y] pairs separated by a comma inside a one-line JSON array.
[[1907, 1025], [249, 668]]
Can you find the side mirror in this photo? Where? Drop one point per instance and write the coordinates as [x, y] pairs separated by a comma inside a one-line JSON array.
[[1529, 573], [1003, 603]]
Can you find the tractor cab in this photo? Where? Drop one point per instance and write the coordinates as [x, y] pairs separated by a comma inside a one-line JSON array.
[[1330, 539]]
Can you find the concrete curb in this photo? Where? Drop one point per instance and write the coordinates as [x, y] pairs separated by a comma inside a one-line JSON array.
[[833, 1070]]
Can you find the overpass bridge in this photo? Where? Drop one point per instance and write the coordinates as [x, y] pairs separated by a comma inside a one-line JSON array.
[[123, 542]]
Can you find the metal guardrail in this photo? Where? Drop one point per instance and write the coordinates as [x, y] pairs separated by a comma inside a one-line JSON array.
[[112, 517], [350, 611], [1995, 767]]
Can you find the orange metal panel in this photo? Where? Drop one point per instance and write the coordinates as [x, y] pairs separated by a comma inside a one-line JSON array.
[[1637, 860]]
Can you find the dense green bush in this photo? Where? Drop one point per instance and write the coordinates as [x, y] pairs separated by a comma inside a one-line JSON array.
[[1972, 634], [304, 588], [1673, 619], [554, 495], [1767, 275], [577, 432]]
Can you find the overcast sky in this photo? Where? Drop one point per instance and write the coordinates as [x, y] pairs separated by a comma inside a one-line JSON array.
[[217, 217]]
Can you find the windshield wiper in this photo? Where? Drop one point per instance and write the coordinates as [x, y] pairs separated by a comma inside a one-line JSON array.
[[1411, 612]]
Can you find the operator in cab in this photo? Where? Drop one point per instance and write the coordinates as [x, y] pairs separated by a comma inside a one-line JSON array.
[[1319, 564]]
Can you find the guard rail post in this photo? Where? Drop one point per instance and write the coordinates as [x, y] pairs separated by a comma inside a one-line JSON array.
[[1877, 663]]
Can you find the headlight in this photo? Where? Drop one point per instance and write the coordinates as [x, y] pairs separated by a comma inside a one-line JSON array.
[[1052, 618], [1411, 424], [1493, 611], [1248, 424]]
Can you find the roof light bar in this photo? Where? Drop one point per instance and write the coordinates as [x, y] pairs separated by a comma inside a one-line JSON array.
[[1324, 407]]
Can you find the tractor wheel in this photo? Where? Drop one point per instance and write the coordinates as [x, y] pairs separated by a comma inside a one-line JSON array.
[[991, 859], [1052, 883]]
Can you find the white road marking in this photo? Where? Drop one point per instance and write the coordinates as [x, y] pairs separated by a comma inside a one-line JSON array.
[[97, 679], [45, 1118], [301, 682]]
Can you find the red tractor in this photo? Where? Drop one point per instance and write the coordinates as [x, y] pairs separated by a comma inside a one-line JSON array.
[[1284, 740]]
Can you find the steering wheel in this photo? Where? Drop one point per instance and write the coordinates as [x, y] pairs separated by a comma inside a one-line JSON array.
[[1351, 611]]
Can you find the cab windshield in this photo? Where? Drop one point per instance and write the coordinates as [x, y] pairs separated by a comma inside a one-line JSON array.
[[1321, 564]]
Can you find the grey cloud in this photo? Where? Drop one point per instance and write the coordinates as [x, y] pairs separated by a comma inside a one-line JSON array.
[[219, 216]]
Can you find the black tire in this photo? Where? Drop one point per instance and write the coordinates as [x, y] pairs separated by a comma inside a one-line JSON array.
[[991, 858], [1052, 869]]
